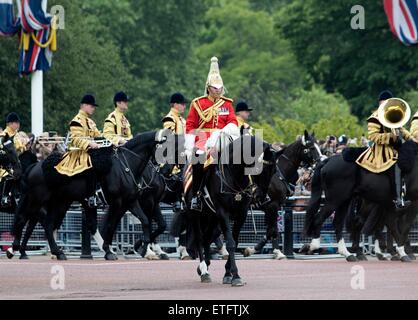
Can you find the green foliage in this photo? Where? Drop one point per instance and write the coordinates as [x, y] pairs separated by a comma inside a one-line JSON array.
[[356, 63]]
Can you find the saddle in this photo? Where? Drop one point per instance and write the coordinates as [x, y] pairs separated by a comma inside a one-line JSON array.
[[351, 155], [101, 161]]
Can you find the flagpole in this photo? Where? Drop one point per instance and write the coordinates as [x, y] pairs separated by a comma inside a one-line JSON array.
[[37, 93], [37, 107]]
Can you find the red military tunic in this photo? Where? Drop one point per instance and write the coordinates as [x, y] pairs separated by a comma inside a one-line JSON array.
[[205, 116]]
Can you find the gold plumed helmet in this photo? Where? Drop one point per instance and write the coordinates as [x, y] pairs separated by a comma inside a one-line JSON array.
[[214, 77]]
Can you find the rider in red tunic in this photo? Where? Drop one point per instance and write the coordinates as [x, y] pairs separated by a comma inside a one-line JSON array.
[[208, 117]]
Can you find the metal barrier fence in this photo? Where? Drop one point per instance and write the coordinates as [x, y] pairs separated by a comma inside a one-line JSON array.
[[290, 223]]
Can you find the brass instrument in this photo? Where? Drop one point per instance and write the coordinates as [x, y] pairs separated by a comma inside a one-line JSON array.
[[102, 142], [394, 113]]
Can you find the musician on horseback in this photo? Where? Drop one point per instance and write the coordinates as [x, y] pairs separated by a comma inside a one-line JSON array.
[[117, 128], [382, 156], [209, 115], [12, 129], [243, 113], [83, 131]]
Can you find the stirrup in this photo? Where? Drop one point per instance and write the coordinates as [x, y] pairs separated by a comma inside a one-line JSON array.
[[6, 202], [401, 203], [92, 202], [196, 204]]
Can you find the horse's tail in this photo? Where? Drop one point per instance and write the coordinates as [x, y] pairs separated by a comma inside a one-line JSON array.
[[315, 200]]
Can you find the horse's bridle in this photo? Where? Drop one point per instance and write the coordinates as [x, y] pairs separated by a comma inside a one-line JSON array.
[[125, 164]]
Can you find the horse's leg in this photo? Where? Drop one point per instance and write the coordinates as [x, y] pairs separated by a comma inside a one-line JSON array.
[[202, 269], [137, 211], [22, 214], [28, 233], [268, 221], [230, 246], [405, 225], [323, 215], [392, 224], [55, 216], [161, 227], [115, 213], [339, 219], [274, 235]]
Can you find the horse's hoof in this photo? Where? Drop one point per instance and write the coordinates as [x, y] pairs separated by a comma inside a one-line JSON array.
[[238, 282], [279, 257], [137, 246], [24, 257], [406, 259], [227, 280], [381, 257], [205, 278], [164, 257], [9, 254], [185, 258], [248, 252], [305, 249], [412, 257], [351, 258], [152, 257], [110, 257], [362, 257], [395, 258], [61, 257]]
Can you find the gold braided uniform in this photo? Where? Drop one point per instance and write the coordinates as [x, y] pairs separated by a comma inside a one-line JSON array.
[[117, 128], [174, 122], [20, 146], [414, 126], [82, 130], [381, 156], [242, 123]]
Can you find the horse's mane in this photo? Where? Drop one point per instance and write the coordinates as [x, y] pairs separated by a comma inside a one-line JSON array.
[[141, 139]]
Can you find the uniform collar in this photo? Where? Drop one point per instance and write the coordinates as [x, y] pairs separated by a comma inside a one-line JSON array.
[[175, 112], [10, 132], [83, 114], [119, 112], [213, 99]]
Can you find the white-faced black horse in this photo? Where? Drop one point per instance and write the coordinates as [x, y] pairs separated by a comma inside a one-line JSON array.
[[305, 150], [342, 181], [229, 191], [115, 169]]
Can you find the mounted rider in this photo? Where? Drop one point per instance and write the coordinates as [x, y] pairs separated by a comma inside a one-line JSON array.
[[83, 131], [209, 115], [174, 120], [243, 113], [383, 154], [12, 129], [117, 128]]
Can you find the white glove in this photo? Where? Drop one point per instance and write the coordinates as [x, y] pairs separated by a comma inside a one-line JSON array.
[[214, 137], [189, 142], [232, 130]]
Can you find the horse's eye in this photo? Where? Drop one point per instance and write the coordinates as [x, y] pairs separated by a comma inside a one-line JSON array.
[[306, 151]]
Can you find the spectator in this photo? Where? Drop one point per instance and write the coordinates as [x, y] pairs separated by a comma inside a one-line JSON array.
[[342, 144]]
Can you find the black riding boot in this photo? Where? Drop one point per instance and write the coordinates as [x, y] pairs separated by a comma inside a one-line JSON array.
[[400, 202], [198, 175], [6, 195]]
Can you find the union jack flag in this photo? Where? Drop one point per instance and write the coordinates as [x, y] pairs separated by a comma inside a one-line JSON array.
[[403, 19], [9, 25]]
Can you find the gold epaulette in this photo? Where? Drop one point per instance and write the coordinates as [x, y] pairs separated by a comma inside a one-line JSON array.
[[227, 99], [111, 118], [374, 116]]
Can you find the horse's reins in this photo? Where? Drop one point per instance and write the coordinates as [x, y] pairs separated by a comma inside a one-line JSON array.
[[127, 166]]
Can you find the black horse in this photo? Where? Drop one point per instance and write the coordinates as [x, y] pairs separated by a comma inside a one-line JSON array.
[[158, 184], [115, 170], [342, 181], [304, 150], [229, 193]]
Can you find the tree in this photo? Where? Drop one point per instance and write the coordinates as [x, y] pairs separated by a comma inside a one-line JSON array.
[[356, 63]]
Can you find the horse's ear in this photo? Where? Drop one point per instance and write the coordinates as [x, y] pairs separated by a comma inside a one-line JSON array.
[[306, 135], [313, 134]]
